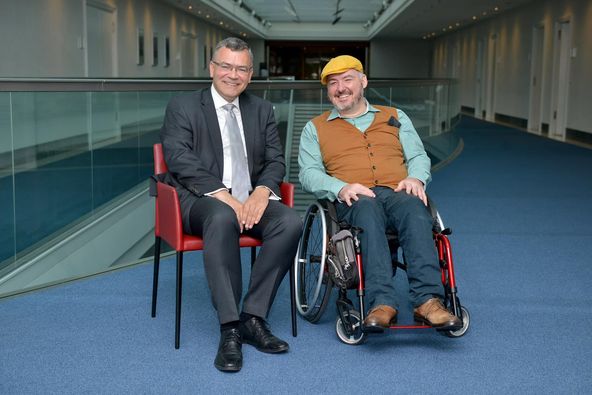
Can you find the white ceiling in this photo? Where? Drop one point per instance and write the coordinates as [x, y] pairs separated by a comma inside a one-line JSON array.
[[358, 19]]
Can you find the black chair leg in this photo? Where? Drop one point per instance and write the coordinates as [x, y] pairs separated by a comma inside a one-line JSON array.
[[293, 301], [155, 276], [178, 299]]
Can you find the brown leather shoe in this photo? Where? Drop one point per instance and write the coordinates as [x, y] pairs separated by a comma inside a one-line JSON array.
[[435, 314], [381, 316]]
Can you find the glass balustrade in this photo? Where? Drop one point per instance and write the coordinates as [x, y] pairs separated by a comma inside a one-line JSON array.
[[70, 148]]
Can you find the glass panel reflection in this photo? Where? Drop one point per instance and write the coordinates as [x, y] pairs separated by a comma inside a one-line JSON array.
[[114, 142], [7, 251], [52, 163]]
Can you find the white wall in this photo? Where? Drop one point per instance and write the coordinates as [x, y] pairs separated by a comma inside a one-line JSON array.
[[514, 32], [399, 59], [41, 38], [44, 39]]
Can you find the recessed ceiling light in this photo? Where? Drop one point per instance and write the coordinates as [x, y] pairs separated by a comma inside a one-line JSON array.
[[496, 8], [484, 13], [474, 17], [190, 7]]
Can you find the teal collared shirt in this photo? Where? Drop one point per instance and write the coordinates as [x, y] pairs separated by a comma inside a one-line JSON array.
[[313, 175]]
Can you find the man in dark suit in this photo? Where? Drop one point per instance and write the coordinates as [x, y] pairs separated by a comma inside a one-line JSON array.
[[224, 155]]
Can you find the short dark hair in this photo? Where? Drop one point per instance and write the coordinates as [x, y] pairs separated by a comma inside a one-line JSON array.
[[234, 44]]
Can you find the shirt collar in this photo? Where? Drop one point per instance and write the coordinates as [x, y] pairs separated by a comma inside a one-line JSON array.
[[219, 101], [335, 114]]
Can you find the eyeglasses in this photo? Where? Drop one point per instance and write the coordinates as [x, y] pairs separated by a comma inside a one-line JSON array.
[[228, 68]]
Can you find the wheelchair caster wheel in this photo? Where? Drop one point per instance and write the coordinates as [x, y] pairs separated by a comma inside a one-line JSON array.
[[354, 335], [466, 320]]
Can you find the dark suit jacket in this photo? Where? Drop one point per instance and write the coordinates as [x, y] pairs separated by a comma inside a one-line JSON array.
[[192, 145]]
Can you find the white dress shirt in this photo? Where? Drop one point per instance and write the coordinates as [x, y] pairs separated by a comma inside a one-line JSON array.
[[219, 103]]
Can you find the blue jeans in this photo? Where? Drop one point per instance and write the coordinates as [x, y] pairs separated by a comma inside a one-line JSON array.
[[406, 214]]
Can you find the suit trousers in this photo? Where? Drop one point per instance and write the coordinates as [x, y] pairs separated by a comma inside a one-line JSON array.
[[406, 214], [216, 222]]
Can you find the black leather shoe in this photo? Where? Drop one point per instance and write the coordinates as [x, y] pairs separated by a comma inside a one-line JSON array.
[[230, 354], [255, 332]]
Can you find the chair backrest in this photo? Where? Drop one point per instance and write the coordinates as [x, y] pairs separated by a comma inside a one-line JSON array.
[[160, 166], [287, 194], [168, 223]]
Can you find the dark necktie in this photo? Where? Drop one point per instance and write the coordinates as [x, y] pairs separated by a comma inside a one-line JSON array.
[[241, 181]]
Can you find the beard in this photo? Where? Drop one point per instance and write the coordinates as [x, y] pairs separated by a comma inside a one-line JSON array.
[[346, 107]]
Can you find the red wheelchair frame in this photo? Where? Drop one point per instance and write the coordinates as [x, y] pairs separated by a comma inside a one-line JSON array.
[[349, 324]]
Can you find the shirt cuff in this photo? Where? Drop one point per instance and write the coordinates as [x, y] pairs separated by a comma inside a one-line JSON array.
[[272, 196], [215, 192]]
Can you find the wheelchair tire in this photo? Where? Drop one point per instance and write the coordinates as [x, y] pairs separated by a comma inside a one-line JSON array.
[[466, 320], [312, 282], [357, 337]]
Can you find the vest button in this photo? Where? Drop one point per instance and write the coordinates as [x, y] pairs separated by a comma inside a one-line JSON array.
[[371, 153], [369, 145], [375, 182], [374, 167]]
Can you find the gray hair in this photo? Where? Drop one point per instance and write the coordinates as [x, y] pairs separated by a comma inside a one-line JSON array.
[[234, 44]]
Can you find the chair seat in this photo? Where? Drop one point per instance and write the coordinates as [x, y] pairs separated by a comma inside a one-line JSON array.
[[194, 243]]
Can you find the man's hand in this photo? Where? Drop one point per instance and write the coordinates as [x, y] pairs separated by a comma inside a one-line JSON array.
[[254, 207], [414, 187], [237, 206], [351, 191]]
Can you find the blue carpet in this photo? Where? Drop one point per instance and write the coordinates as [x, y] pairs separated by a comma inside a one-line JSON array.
[[522, 241]]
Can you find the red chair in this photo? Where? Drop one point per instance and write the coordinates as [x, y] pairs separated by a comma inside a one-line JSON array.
[[168, 227]]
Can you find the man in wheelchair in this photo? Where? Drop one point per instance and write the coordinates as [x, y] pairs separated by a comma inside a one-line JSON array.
[[372, 163]]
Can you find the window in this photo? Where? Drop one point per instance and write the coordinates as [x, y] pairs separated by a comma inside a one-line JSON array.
[[167, 52], [155, 49], [140, 58]]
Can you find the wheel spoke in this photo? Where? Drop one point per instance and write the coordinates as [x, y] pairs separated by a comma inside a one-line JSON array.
[[310, 284]]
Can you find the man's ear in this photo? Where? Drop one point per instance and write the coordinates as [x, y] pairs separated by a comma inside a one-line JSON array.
[[364, 81]]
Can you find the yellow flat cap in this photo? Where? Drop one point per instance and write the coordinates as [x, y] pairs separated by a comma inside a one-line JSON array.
[[340, 64]]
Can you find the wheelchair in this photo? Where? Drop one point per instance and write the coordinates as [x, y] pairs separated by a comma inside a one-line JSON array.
[[313, 282]]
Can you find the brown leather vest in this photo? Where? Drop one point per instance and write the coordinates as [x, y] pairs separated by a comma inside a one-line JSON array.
[[372, 158]]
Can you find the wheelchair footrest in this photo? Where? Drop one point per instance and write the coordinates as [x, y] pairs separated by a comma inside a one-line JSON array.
[[372, 329]]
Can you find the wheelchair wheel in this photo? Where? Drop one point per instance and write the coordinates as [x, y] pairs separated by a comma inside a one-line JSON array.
[[355, 336], [313, 285], [466, 320]]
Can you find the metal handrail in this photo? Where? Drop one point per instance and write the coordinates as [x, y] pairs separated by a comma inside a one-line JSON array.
[[178, 84]]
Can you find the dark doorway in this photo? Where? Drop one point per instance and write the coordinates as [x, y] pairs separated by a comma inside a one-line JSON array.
[[304, 60]]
